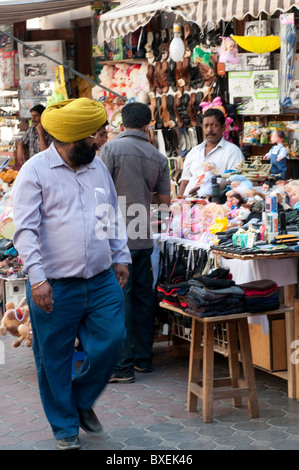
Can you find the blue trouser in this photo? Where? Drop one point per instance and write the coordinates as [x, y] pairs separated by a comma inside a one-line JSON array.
[[278, 167], [92, 309], [139, 307]]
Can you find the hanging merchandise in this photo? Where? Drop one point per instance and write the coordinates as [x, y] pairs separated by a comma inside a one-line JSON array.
[[258, 44], [59, 93], [287, 57]]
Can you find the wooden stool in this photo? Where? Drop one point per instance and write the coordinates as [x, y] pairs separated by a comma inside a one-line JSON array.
[[237, 329], [237, 335]]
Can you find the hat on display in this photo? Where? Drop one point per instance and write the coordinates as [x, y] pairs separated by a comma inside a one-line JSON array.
[[73, 120]]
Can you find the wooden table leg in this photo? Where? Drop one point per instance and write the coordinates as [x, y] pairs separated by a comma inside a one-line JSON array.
[[292, 333], [208, 373], [233, 361], [194, 363], [248, 370]]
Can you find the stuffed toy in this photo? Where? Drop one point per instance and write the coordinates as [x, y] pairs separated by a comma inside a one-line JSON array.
[[14, 317], [25, 332]]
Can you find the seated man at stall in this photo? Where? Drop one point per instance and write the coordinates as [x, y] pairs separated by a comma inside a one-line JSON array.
[[215, 148], [36, 138]]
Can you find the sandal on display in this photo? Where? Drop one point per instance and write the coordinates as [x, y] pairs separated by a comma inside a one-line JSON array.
[[150, 77], [199, 98], [148, 47], [163, 79], [179, 77], [192, 109], [151, 137], [165, 44], [183, 110], [187, 34], [176, 106], [157, 46], [193, 136], [153, 111], [157, 78], [181, 138], [171, 75], [169, 142], [170, 107], [195, 37], [163, 111], [186, 74], [159, 122]]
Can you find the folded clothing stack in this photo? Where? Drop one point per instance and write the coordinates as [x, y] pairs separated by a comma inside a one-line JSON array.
[[214, 294], [260, 296], [173, 294]]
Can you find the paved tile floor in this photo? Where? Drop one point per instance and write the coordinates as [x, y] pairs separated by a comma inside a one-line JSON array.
[[149, 414]]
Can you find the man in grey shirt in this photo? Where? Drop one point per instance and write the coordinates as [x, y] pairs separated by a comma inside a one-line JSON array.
[[141, 176]]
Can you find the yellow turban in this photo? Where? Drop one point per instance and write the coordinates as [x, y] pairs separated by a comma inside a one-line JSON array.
[[73, 120]]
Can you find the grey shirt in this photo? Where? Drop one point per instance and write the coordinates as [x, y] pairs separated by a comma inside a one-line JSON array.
[[138, 170]]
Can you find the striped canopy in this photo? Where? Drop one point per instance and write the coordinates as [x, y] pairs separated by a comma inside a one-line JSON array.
[[132, 14], [13, 11]]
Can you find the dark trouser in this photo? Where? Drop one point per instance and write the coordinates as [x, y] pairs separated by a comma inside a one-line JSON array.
[[92, 309], [139, 306]]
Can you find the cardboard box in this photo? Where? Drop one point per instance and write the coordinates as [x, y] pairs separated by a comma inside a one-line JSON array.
[[253, 61], [257, 28], [53, 49], [269, 351], [9, 69], [254, 92], [256, 103]]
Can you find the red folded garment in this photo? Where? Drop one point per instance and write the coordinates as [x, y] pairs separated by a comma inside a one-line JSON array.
[[260, 292]]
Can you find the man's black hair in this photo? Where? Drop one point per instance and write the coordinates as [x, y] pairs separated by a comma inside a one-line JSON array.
[[136, 115], [215, 112], [39, 108]]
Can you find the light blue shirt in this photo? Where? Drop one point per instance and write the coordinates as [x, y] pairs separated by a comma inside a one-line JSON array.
[[61, 219]]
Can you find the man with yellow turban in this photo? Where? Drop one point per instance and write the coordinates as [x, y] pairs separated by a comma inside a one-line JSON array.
[[69, 233]]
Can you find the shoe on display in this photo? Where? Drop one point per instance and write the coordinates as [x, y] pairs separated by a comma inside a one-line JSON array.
[[121, 380], [89, 422], [69, 443]]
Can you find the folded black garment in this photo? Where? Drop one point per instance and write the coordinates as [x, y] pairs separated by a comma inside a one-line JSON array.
[[220, 308], [215, 313], [215, 283], [219, 273], [260, 308]]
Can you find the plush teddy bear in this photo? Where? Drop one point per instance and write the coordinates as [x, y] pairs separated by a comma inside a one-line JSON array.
[[14, 317], [25, 332]]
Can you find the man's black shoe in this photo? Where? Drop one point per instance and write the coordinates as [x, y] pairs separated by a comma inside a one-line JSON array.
[[89, 422], [69, 443]]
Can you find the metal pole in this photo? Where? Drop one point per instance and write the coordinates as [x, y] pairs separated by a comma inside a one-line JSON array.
[[65, 66]]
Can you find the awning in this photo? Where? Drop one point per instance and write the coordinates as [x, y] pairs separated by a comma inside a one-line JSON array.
[[132, 14], [13, 11]]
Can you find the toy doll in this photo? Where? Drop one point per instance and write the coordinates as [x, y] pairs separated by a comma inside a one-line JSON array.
[[252, 196], [202, 184], [267, 187], [278, 154], [228, 52]]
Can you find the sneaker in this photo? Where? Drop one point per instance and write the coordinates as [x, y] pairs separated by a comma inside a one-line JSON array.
[[143, 370], [121, 380], [69, 443]]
